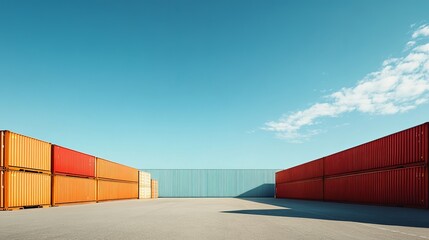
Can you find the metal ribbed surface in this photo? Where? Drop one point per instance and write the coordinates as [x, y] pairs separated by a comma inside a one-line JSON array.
[[111, 170], [313, 169], [399, 149], [27, 189], [73, 189], [214, 182], [113, 190], [27, 153], [2, 173], [403, 187], [72, 162], [311, 189], [154, 189], [144, 185]]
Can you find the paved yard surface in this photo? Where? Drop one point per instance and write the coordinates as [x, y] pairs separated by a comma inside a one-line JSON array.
[[222, 218]]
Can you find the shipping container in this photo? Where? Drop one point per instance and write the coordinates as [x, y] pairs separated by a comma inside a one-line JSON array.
[[144, 179], [70, 162], [309, 189], [190, 183], [2, 189], [66, 189], [145, 192], [21, 152], [309, 170], [399, 149], [154, 188], [115, 190], [115, 171], [397, 187], [144, 185], [26, 189]]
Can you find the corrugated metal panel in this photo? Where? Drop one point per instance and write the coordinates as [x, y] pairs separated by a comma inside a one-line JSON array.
[[2, 173], [27, 189], [2, 146], [113, 190], [399, 149], [313, 169], [145, 192], [399, 187], [214, 182], [144, 179], [72, 162], [73, 190], [111, 170], [144, 185], [26, 153], [154, 188], [311, 189]]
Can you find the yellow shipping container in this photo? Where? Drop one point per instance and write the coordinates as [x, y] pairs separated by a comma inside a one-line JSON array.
[[154, 188], [25, 189], [144, 179], [144, 185], [67, 189], [111, 170], [114, 190], [23, 152]]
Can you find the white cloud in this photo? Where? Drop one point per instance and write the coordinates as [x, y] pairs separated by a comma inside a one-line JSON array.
[[422, 31], [411, 44], [401, 84]]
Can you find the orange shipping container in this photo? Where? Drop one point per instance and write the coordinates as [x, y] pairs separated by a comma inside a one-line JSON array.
[[111, 170], [24, 189], [114, 190], [67, 189], [24, 152], [154, 188], [2, 189]]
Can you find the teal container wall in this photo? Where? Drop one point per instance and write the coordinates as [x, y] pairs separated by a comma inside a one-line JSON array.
[[214, 182]]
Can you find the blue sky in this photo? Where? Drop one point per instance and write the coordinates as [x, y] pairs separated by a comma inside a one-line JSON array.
[[212, 84]]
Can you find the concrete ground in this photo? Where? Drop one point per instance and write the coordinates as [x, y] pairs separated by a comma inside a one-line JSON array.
[[222, 218]]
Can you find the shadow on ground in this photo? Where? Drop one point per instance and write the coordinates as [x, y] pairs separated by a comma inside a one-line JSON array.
[[263, 190], [339, 212]]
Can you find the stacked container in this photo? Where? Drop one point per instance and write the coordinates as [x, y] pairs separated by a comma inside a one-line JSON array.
[[301, 182], [116, 181], [25, 171], [73, 179], [154, 188], [144, 185], [392, 170]]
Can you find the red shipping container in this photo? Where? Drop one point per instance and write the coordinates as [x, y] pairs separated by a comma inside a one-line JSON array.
[[396, 187], [399, 149], [311, 189], [70, 162], [313, 169]]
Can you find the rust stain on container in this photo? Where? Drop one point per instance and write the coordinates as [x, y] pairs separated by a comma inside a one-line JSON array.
[[25, 189], [154, 188], [144, 185], [23, 152], [66, 189], [115, 190], [111, 170]]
